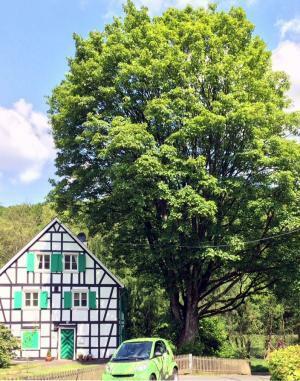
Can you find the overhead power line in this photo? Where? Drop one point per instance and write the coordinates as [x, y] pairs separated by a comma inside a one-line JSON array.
[[207, 245]]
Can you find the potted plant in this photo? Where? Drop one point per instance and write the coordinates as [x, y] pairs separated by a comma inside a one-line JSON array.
[[80, 357], [49, 357]]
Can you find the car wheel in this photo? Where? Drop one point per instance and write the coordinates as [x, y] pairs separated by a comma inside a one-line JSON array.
[[152, 377], [175, 375]]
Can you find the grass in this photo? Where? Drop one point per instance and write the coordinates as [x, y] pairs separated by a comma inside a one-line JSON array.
[[259, 366], [35, 368]]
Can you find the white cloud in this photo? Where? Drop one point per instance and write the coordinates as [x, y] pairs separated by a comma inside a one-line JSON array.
[[286, 57], [289, 27], [26, 144]]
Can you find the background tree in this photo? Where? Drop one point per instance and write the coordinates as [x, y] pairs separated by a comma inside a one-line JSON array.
[[171, 137], [8, 344], [19, 224]]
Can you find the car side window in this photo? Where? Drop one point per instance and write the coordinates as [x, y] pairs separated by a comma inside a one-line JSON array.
[[160, 347]]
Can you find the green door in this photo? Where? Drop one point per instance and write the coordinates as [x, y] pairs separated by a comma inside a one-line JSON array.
[[66, 343]]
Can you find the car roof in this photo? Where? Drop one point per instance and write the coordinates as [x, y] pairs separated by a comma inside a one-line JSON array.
[[150, 339]]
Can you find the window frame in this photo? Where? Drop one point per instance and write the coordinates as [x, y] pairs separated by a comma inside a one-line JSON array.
[[80, 291], [31, 291], [42, 270], [77, 264]]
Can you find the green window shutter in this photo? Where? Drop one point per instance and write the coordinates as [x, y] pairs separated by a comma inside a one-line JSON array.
[[30, 261], [68, 299], [18, 300], [44, 299], [30, 340], [92, 299], [56, 262], [81, 262]]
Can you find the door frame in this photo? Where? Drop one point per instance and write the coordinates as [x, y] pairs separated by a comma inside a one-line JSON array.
[[59, 342]]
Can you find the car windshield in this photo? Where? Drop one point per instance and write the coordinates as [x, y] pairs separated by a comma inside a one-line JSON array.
[[134, 351]]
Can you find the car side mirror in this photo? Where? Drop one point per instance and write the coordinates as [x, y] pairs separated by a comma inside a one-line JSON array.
[[157, 354]]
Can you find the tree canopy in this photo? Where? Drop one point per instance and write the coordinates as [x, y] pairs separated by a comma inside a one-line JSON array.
[[172, 137]]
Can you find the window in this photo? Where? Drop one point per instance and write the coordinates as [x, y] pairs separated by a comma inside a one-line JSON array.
[[160, 347], [31, 299], [43, 261], [80, 299], [71, 262], [30, 340]]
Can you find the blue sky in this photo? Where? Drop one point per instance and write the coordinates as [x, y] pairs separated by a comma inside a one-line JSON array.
[[36, 38]]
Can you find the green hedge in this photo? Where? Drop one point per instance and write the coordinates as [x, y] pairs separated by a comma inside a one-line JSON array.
[[284, 364]]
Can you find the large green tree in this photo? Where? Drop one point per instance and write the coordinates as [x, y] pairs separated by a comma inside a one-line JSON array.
[[172, 141]]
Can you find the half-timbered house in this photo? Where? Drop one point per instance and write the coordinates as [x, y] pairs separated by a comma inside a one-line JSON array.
[[56, 295]]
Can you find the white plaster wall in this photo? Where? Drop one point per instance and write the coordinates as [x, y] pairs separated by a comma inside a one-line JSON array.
[[89, 277], [39, 245], [54, 339], [66, 278], [82, 329], [112, 342], [45, 315], [56, 300], [22, 261], [105, 329], [94, 341], [94, 315], [82, 341], [5, 303], [80, 315], [16, 315], [12, 274], [22, 275], [5, 292], [56, 315], [94, 329], [71, 246], [46, 277], [56, 246], [83, 351], [30, 315], [108, 280], [16, 330], [45, 329], [56, 278], [94, 353], [66, 315], [30, 353], [45, 342]]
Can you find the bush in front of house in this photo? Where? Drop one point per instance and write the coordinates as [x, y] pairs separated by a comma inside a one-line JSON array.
[[8, 343], [284, 364]]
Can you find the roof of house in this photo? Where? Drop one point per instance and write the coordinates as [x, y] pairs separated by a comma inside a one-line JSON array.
[[84, 248]]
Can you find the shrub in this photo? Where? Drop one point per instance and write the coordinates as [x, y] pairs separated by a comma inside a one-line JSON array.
[[8, 343], [284, 364], [212, 340]]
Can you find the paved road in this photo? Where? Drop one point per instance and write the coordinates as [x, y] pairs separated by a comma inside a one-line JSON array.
[[224, 378]]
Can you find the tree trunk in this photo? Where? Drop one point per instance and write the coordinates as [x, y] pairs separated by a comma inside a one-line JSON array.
[[190, 328]]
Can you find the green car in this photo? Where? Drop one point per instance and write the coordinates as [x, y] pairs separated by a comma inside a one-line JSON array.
[[142, 359]]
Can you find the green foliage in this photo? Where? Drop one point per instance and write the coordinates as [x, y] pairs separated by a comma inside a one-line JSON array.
[[259, 366], [212, 340], [171, 137], [284, 364], [8, 343], [213, 333], [19, 224]]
